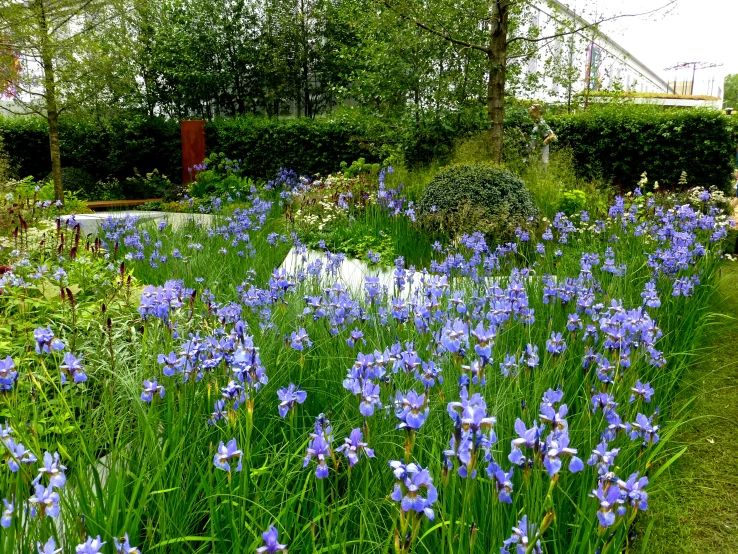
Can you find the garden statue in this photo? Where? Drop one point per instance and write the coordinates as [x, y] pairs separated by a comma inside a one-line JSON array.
[[542, 133]]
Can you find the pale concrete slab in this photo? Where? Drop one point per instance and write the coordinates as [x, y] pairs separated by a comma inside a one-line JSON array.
[[91, 223], [351, 272]]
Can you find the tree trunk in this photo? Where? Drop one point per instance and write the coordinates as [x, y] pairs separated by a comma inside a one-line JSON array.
[[56, 168], [306, 92], [305, 59], [52, 109], [497, 62]]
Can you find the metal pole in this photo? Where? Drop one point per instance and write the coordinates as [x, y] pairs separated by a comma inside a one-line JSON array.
[[694, 68]]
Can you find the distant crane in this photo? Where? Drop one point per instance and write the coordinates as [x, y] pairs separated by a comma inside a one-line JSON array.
[[695, 66]]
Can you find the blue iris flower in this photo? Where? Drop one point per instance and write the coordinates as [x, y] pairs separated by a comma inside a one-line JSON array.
[[271, 543], [226, 454]]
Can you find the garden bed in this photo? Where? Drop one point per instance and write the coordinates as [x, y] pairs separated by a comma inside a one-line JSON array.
[[499, 396]]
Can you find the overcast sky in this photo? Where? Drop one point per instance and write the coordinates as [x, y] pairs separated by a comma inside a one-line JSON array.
[[694, 30]]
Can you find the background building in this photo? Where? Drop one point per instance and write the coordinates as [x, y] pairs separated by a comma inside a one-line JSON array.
[[590, 64]]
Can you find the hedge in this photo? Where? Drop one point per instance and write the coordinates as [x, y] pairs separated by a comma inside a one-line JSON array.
[[308, 146], [110, 148], [618, 143], [115, 147]]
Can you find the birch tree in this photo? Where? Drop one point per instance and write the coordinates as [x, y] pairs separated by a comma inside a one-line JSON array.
[[47, 37]]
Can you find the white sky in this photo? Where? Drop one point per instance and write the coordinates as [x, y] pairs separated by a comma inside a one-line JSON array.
[[694, 30]]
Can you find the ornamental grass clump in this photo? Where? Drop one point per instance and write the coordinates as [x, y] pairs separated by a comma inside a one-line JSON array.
[[510, 397]]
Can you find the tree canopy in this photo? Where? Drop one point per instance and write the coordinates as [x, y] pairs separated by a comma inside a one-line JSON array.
[[399, 59]]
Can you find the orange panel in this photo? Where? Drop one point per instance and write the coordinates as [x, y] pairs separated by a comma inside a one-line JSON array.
[[193, 147]]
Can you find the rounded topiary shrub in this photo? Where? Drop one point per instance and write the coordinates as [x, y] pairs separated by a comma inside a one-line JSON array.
[[477, 197]]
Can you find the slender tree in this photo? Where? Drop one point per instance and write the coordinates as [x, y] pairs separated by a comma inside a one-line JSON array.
[[48, 36]]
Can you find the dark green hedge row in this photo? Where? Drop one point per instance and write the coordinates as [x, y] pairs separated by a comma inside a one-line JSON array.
[[618, 143], [308, 146], [115, 147], [107, 148]]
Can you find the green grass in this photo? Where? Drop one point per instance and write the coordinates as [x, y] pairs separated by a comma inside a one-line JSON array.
[[695, 508], [548, 182], [414, 180]]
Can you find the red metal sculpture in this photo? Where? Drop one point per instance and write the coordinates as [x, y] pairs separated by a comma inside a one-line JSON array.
[[193, 148]]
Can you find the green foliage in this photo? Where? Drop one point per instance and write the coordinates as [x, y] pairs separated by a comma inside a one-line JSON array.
[[222, 177], [549, 182], [150, 185], [733, 128], [154, 206], [572, 201], [426, 139], [730, 96], [73, 204], [618, 143], [7, 171], [201, 58], [357, 246], [26, 141], [461, 197], [341, 213], [359, 238], [27, 209], [357, 167], [78, 181], [477, 148], [107, 189], [103, 148]]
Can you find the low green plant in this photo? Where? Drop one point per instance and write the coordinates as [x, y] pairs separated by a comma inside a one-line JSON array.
[[155, 206], [72, 203], [27, 211], [493, 196], [107, 189], [358, 167], [572, 201], [220, 177], [150, 185], [356, 245]]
